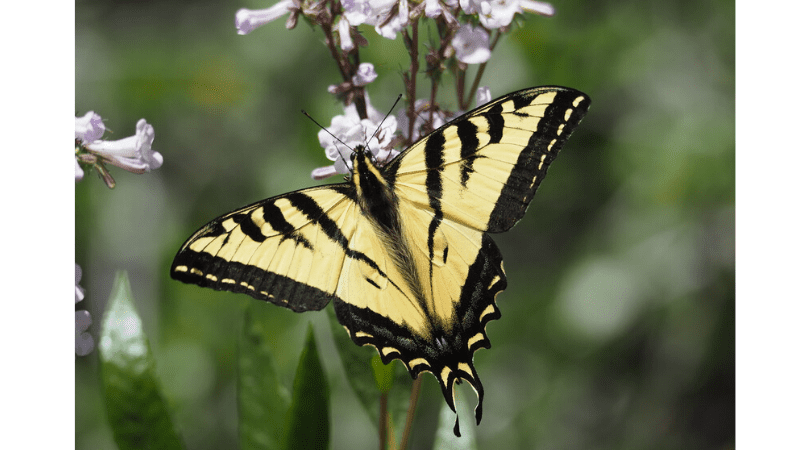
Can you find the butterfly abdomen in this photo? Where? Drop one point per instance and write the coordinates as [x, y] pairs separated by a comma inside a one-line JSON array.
[[378, 203]]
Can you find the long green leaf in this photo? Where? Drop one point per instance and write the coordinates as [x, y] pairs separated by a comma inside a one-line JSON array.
[[263, 400], [136, 410], [308, 419]]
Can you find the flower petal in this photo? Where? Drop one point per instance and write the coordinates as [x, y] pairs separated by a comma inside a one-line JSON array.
[[346, 42], [498, 13], [133, 153], [322, 173], [248, 20], [471, 44], [541, 8], [89, 127], [482, 96], [365, 74], [432, 8]]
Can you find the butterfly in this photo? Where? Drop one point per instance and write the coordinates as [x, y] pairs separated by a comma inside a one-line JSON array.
[[402, 251]]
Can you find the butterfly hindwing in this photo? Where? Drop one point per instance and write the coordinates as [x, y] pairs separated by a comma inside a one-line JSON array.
[[439, 328]]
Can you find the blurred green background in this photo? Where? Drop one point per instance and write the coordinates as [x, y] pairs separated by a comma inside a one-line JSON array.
[[618, 323]]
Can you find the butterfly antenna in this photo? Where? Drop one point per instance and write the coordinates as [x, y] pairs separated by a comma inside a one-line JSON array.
[[330, 134], [383, 121]]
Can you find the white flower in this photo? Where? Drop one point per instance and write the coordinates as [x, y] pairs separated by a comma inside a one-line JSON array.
[[471, 44], [375, 12], [482, 96], [435, 8], [396, 24], [390, 29], [499, 13], [133, 153], [84, 341], [369, 12], [432, 8], [422, 114], [365, 74], [468, 6], [89, 127], [248, 20], [346, 42], [542, 8], [349, 133]]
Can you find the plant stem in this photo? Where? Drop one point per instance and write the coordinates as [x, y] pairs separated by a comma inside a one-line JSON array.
[[417, 385], [383, 420], [413, 51]]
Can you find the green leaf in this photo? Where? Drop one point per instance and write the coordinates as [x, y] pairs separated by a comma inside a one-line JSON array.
[[445, 439], [136, 410], [308, 417], [263, 400], [358, 363]]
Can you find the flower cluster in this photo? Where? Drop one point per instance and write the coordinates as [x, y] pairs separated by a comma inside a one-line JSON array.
[[349, 132], [466, 31], [133, 153]]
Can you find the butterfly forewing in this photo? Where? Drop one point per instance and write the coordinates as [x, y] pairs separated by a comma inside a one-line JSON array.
[[483, 168], [288, 250]]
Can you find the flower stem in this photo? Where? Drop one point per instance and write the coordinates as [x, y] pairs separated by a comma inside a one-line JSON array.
[[383, 420], [413, 51], [417, 385]]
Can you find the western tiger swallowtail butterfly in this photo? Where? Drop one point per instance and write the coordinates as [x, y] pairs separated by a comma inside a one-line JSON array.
[[402, 251]]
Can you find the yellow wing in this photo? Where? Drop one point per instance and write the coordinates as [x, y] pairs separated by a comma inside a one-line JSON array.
[[288, 250], [483, 168]]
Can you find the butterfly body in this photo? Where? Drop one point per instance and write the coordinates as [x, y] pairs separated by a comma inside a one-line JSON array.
[[402, 250]]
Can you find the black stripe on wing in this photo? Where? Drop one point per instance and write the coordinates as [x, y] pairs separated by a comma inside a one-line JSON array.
[[553, 130]]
